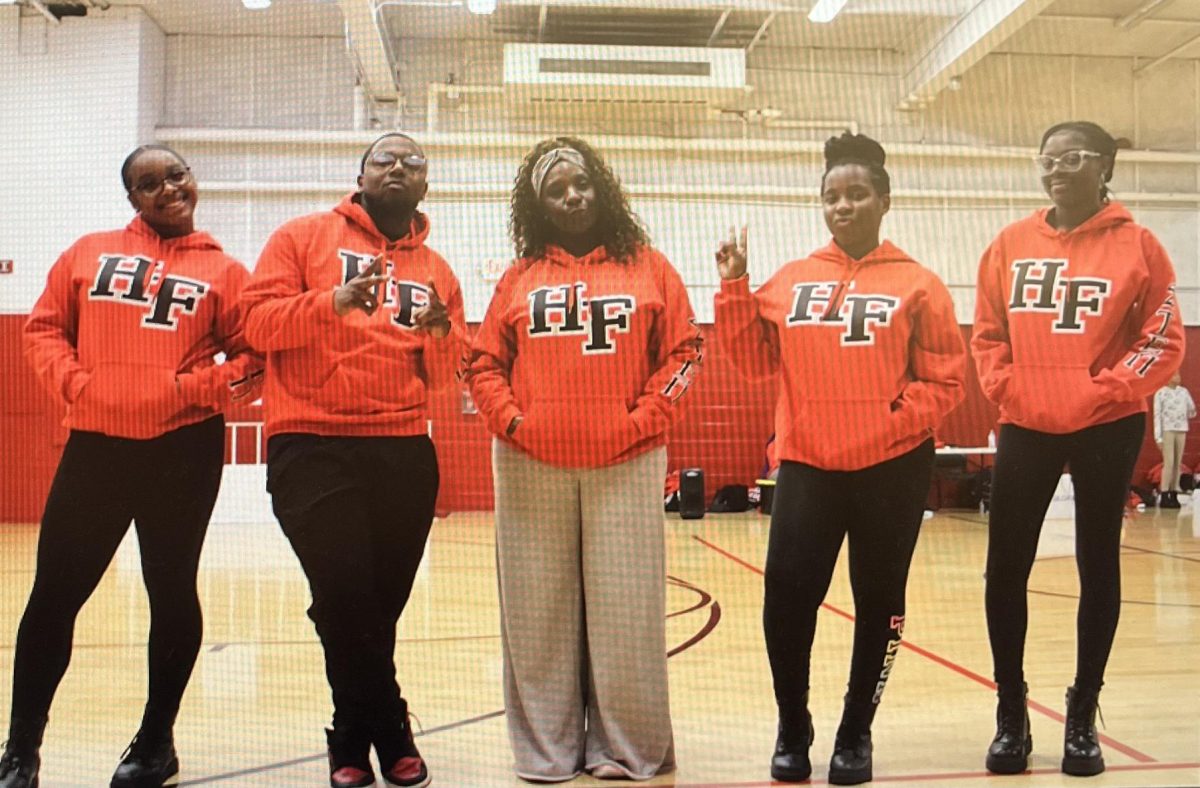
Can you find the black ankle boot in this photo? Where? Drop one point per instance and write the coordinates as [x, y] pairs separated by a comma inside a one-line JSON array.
[[1081, 747], [349, 756], [1009, 751], [149, 762], [790, 763], [20, 762], [851, 761]]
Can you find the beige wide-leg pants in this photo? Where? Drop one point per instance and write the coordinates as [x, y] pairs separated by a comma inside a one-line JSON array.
[[581, 565], [1172, 449]]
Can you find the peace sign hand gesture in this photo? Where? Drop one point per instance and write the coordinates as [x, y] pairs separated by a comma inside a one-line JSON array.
[[731, 255], [434, 318], [361, 292]]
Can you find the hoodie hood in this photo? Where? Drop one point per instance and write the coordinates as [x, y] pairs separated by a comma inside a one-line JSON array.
[[198, 240], [1110, 215], [352, 208], [886, 252]]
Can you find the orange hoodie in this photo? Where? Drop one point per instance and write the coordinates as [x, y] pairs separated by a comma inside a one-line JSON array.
[[870, 353], [128, 325], [594, 353], [356, 375], [1077, 328]]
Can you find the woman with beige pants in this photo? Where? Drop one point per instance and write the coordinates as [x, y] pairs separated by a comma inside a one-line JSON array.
[[587, 347], [1173, 407]]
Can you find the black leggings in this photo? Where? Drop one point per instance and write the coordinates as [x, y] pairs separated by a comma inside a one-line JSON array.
[[1028, 466], [167, 486], [357, 512], [881, 508]]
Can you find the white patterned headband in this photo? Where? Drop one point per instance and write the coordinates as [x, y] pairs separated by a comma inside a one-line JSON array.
[[548, 160]]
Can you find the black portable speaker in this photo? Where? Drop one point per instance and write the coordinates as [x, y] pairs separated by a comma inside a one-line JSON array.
[[691, 493]]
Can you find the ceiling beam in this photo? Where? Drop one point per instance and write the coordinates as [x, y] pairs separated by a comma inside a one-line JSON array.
[[976, 33], [370, 51], [719, 26], [1137, 15], [1158, 61], [762, 31]]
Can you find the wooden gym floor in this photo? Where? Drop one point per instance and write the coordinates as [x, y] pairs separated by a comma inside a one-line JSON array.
[[257, 702]]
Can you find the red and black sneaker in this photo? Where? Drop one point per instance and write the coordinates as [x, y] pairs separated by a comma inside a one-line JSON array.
[[399, 760], [349, 761]]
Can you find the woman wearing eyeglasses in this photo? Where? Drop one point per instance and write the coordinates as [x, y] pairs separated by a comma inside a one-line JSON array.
[[124, 336], [359, 319], [1076, 323]]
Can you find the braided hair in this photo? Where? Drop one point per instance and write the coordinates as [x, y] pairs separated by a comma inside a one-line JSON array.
[[861, 150], [127, 166], [1098, 140], [620, 228]]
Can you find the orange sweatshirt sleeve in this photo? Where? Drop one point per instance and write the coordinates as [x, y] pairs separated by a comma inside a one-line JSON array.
[[990, 343], [240, 376], [677, 341], [488, 368], [442, 356], [280, 313], [1158, 350], [750, 342], [937, 361], [51, 334]]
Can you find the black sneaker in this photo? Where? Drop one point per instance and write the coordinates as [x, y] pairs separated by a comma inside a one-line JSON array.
[[19, 770], [399, 760], [349, 758], [148, 762]]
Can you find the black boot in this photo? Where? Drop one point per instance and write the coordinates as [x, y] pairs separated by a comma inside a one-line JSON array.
[[149, 761], [851, 761], [1175, 500], [20, 763], [1081, 747], [1009, 751], [790, 763], [349, 757]]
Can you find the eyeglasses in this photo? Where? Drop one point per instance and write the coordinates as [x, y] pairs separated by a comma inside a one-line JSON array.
[[411, 161], [152, 187], [1071, 161]]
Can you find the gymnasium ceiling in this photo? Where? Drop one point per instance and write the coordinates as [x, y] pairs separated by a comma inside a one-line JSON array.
[[927, 42]]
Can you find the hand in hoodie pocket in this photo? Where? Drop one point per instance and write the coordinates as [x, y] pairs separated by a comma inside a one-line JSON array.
[[137, 392], [1045, 397], [576, 434]]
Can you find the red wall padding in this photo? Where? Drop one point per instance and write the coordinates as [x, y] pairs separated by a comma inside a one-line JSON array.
[[724, 431]]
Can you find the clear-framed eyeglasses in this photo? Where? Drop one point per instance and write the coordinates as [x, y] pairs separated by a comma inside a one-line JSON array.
[[1071, 161], [152, 187]]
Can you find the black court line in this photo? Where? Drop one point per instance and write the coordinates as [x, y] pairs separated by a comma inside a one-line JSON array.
[[217, 647], [321, 756], [1123, 601], [1165, 555]]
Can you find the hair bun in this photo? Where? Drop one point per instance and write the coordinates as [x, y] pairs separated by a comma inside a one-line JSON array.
[[853, 147]]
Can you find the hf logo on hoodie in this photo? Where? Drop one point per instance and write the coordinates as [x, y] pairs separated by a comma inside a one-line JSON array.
[[813, 303], [139, 281], [563, 309], [1040, 285], [400, 294]]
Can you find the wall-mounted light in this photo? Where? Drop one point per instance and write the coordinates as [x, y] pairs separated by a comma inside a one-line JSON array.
[[256, 5], [826, 10], [481, 6]]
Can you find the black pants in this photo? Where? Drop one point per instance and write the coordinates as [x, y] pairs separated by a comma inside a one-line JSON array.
[[357, 512], [880, 508], [167, 486], [1028, 466]]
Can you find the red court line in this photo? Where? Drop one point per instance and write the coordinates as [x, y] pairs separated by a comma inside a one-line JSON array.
[[912, 778], [1141, 757]]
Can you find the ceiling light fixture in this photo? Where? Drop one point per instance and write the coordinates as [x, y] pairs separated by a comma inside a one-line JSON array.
[[825, 10], [256, 5], [481, 6]]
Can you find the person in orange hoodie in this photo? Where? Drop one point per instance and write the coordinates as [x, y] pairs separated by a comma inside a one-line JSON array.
[[1076, 323], [870, 358], [579, 367], [125, 336], [358, 319]]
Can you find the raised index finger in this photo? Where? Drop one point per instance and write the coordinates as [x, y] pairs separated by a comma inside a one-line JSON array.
[[373, 270], [434, 298]]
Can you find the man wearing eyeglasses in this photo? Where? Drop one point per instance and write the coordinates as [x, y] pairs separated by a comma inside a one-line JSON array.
[[358, 319]]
